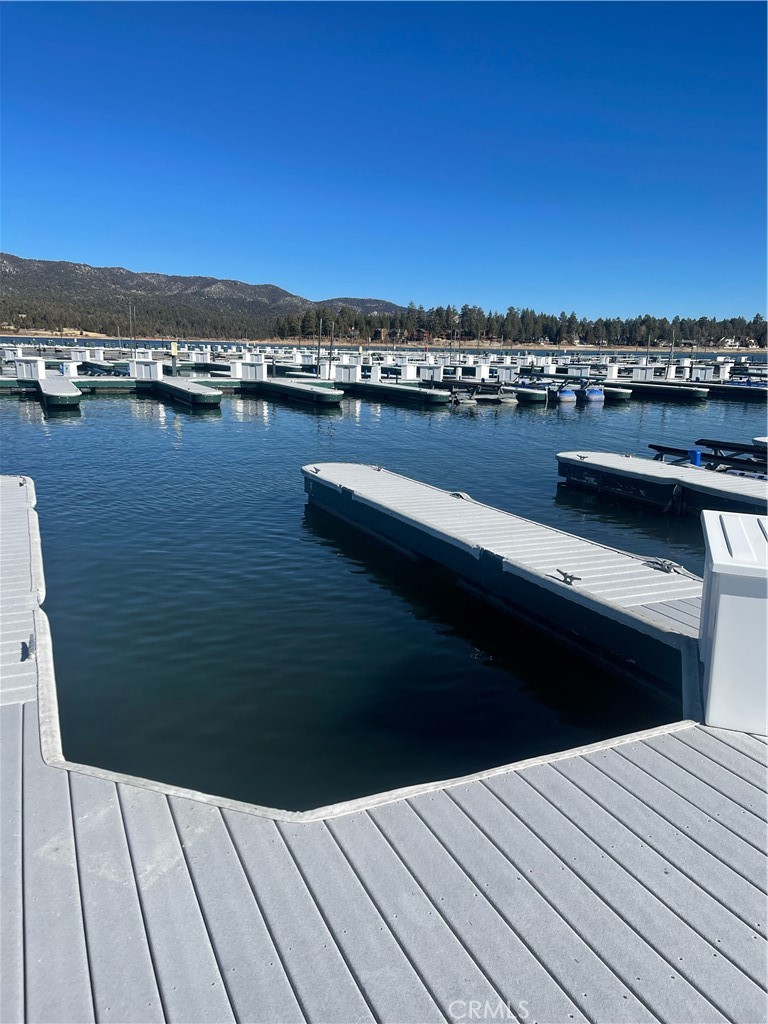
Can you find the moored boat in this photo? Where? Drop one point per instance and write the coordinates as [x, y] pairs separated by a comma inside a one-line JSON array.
[[531, 391], [561, 393], [590, 392]]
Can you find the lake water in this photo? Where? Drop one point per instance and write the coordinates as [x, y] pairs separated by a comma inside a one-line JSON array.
[[210, 631]]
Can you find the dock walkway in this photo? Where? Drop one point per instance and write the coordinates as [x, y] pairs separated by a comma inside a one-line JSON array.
[[644, 610], [624, 882], [684, 487], [57, 392]]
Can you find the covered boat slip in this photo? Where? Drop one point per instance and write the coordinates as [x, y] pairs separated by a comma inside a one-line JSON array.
[[639, 614], [679, 488], [623, 882]]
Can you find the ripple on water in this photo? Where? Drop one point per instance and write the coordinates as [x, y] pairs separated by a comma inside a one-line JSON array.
[[210, 632]]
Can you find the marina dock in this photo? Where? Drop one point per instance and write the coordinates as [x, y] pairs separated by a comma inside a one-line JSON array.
[[409, 393], [624, 881], [645, 615], [295, 391], [58, 393], [682, 489], [677, 392], [187, 391]]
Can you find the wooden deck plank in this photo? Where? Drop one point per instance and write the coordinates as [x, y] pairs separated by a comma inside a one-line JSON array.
[[687, 965], [392, 987], [677, 870], [514, 933], [640, 973], [671, 610], [735, 762], [443, 960], [11, 876], [750, 746], [58, 984], [256, 980], [653, 759], [714, 775], [111, 909], [188, 976], [324, 984], [692, 821]]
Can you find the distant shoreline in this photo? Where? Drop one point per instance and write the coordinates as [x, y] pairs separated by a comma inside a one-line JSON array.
[[70, 340]]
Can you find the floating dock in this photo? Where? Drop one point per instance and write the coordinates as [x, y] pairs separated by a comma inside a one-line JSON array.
[[189, 392], [58, 392], [109, 385], [755, 392], [624, 881], [645, 613], [679, 392], [397, 392], [683, 489], [295, 391]]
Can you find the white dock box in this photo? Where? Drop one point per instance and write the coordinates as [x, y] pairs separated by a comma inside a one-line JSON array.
[[733, 645], [348, 373], [145, 369], [506, 374], [30, 368], [253, 371]]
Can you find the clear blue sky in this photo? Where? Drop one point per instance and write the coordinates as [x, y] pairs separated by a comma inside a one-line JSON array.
[[607, 158]]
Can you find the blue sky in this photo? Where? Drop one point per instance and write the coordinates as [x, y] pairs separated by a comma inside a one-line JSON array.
[[603, 157]]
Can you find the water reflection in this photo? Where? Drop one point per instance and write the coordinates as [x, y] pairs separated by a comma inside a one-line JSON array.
[[504, 657], [63, 413], [150, 410], [252, 635]]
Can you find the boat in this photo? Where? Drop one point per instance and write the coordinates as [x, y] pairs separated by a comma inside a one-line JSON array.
[[462, 398], [561, 393], [589, 391], [530, 391], [506, 397], [613, 394], [719, 456]]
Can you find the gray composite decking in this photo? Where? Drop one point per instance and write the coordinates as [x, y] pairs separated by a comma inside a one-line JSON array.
[[625, 882], [627, 586], [713, 485], [57, 390]]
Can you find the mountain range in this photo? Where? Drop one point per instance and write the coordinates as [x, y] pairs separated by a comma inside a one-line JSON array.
[[51, 294]]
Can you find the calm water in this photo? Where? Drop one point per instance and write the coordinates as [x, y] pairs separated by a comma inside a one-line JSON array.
[[212, 632]]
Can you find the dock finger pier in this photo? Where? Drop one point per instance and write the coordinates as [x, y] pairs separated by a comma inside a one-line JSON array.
[[622, 882]]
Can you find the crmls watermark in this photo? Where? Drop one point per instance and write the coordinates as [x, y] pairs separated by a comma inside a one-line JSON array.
[[488, 1009]]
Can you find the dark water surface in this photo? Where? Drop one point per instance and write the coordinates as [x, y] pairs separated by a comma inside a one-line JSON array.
[[212, 632]]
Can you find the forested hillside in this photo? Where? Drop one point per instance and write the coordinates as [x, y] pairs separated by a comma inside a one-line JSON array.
[[47, 296], [44, 295]]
